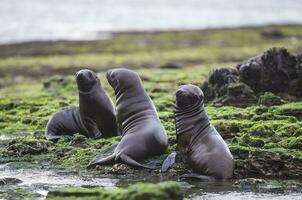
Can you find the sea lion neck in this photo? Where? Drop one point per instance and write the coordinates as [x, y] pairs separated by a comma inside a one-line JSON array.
[[121, 91], [191, 120], [188, 109]]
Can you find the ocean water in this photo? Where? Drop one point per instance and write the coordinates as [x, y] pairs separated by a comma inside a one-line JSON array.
[[27, 20]]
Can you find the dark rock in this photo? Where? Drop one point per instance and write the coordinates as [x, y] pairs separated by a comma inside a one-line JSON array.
[[215, 86], [272, 71], [223, 88], [275, 71], [223, 76]]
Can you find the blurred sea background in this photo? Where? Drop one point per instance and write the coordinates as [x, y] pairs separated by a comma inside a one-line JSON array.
[[45, 20]]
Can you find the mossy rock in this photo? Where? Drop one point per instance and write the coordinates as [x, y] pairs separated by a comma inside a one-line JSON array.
[[261, 130], [146, 191], [291, 129], [247, 140], [269, 99], [292, 143], [20, 147]]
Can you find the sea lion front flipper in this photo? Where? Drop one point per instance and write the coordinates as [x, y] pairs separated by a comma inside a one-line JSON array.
[[55, 138], [92, 128], [101, 161], [168, 162], [128, 160], [197, 176]]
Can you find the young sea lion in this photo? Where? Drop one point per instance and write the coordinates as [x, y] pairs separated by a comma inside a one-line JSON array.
[[137, 119], [205, 149], [95, 116]]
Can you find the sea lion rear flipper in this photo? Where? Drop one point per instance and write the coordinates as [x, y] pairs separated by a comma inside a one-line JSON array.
[[110, 149], [128, 160], [197, 176], [101, 161], [168, 162]]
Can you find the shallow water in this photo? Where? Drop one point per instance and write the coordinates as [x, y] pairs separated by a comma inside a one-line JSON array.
[[84, 19], [38, 180]]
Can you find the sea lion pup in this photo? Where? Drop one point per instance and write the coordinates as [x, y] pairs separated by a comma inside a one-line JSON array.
[[205, 149], [143, 135], [95, 116]]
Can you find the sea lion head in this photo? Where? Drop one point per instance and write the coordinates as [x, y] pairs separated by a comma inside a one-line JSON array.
[[188, 95], [122, 79], [86, 79]]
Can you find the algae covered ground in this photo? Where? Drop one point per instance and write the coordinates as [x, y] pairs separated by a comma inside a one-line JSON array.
[[37, 79]]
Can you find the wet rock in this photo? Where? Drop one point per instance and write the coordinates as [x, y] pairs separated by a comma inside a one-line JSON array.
[[146, 191], [272, 71], [9, 181], [249, 183]]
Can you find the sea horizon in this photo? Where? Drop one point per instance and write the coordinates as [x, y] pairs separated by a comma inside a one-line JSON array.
[[35, 20]]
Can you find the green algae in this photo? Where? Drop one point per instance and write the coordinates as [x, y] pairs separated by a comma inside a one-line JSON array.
[[263, 128], [164, 190]]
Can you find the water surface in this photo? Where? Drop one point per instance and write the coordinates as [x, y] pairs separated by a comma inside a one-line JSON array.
[[28, 20]]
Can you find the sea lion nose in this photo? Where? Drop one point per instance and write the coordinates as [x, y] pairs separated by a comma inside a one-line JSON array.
[[80, 76]]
